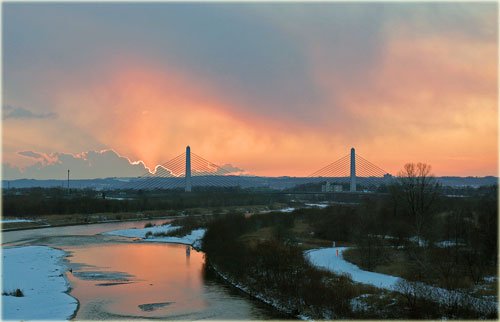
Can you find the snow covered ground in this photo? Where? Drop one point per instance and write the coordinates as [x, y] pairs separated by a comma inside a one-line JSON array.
[[327, 258], [419, 241], [141, 232], [38, 271], [424, 243], [317, 205], [289, 209], [194, 238], [7, 221], [448, 244]]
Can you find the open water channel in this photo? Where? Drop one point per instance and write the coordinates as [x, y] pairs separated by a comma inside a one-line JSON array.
[[121, 278]]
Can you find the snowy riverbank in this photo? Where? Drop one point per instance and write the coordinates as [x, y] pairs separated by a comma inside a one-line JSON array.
[[326, 258], [14, 220], [272, 302], [141, 232], [148, 234], [39, 272], [193, 239]]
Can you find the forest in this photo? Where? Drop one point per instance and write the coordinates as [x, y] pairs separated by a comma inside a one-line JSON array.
[[265, 251]]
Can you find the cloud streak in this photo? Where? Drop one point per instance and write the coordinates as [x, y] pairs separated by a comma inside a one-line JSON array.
[[85, 165], [12, 112]]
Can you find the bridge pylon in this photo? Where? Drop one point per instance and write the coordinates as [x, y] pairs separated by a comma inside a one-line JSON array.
[[187, 172], [353, 170]]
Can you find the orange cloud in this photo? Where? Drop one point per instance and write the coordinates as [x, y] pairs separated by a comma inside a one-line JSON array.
[[430, 99], [152, 115]]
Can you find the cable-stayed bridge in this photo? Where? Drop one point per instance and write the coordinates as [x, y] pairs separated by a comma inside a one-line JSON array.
[[350, 173], [185, 171]]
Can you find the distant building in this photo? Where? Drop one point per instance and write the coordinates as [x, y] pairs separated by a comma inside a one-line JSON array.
[[326, 187]]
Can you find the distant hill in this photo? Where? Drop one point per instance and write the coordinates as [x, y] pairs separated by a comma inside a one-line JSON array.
[[242, 181]]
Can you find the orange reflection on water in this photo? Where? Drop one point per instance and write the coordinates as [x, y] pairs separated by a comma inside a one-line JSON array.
[[161, 273]]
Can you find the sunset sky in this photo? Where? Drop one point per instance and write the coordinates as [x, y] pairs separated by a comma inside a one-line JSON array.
[[274, 89]]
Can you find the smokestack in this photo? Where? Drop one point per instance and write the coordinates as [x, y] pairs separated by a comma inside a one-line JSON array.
[[188, 170], [353, 170]]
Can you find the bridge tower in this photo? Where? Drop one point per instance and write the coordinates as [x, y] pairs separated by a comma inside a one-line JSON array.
[[188, 170], [353, 170]]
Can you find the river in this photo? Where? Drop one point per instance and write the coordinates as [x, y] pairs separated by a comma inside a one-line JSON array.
[[120, 278]]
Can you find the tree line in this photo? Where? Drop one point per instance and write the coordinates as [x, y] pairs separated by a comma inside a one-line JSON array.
[[48, 201]]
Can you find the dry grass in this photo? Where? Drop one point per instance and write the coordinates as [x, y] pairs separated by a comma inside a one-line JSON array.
[[22, 225], [398, 264], [257, 236], [301, 233]]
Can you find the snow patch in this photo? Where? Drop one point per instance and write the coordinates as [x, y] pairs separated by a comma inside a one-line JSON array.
[[289, 209], [419, 241], [317, 205], [8, 221], [359, 305], [448, 244], [39, 272], [141, 232], [490, 279], [194, 238], [327, 258]]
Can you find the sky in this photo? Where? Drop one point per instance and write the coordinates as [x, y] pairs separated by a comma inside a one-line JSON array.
[[275, 89]]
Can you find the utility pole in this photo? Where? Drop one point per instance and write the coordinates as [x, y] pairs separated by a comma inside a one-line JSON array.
[[68, 181]]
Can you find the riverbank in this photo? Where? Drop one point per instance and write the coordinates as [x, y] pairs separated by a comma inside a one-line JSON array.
[[79, 219], [245, 289], [34, 284], [104, 222], [15, 223], [157, 234], [87, 216], [332, 260]]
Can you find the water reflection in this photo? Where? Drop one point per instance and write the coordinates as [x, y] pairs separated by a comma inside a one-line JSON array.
[[151, 280], [188, 254], [114, 278]]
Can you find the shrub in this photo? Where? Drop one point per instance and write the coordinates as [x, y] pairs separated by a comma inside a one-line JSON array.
[[148, 225], [16, 293]]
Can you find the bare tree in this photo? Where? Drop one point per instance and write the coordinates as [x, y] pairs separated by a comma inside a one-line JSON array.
[[419, 190]]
